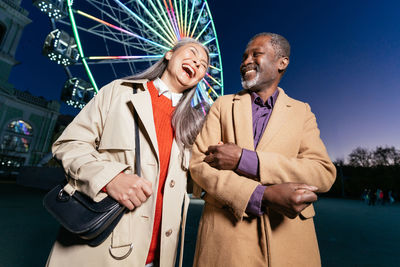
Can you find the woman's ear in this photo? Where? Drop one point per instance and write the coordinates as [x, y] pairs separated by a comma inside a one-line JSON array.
[[168, 55]]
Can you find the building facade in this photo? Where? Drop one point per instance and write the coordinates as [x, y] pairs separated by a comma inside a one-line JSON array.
[[26, 121]]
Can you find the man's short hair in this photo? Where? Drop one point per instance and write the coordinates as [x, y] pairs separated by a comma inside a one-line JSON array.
[[279, 43]]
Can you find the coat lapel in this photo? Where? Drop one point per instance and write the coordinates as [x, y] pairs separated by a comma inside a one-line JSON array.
[[141, 101], [280, 115], [243, 120]]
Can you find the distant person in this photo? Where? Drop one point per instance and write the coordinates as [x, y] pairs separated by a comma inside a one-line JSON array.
[[364, 195], [367, 197], [97, 152], [372, 198], [259, 158], [379, 196], [390, 197]]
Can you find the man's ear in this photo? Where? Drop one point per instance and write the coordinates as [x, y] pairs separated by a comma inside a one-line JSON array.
[[283, 63], [168, 55]]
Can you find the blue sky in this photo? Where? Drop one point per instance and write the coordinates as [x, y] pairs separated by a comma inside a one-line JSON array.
[[344, 62]]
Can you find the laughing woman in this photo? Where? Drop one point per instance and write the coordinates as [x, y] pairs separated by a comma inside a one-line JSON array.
[[97, 151]]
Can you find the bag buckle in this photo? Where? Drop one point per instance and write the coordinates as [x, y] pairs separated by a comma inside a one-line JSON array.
[[123, 256], [63, 197]]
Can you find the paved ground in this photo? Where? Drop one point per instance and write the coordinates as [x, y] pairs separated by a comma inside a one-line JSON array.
[[350, 233]]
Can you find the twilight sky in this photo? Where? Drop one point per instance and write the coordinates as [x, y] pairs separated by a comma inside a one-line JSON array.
[[345, 62]]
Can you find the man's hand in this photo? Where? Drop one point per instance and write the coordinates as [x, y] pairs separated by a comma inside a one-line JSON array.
[[223, 156], [129, 190], [289, 199]]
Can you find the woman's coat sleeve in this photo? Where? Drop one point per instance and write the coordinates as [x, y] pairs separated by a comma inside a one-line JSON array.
[[76, 147]]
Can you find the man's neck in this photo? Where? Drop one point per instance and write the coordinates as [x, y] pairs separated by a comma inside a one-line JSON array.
[[267, 92], [267, 89]]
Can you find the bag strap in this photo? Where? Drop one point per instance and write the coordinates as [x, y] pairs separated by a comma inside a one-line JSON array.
[[137, 140]]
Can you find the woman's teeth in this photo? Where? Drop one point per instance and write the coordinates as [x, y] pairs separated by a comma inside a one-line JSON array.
[[188, 69]]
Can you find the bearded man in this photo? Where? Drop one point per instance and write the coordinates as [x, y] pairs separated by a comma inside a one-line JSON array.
[[259, 158]]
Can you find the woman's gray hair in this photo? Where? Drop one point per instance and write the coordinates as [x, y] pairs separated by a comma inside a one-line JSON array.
[[186, 120]]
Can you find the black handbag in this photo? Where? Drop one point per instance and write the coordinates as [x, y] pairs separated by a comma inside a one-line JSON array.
[[91, 221]]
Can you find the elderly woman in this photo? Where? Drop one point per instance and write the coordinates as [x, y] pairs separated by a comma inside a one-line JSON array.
[[97, 151]]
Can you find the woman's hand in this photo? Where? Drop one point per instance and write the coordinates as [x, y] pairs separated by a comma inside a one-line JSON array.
[[129, 189]]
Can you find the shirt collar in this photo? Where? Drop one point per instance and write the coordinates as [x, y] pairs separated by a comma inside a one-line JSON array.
[[164, 90], [270, 101]]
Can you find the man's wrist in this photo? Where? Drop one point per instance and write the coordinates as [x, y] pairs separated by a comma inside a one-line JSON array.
[[264, 201], [254, 207], [248, 164]]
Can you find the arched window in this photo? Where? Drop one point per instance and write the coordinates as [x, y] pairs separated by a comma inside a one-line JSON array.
[[20, 127], [17, 137]]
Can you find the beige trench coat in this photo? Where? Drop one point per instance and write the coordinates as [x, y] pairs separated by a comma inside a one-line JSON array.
[[290, 150], [98, 145]]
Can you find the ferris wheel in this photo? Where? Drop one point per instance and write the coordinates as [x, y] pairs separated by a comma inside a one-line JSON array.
[[109, 39]]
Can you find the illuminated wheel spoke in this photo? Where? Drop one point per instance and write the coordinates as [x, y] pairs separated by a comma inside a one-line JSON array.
[[139, 32]]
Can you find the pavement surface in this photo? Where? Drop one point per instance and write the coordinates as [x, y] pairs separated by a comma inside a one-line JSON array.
[[350, 233]]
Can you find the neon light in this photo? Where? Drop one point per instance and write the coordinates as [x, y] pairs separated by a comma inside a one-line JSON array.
[[190, 21], [78, 43], [211, 88], [181, 17], [201, 103], [171, 20], [216, 41], [142, 21], [206, 96], [209, 41], [198, 18], [155, 21], [212, 78], [174, 19], [120, 29], [123, 57], [168, 27], [176, 16], [171, 26], [205, 27], [215, 68], [185, 25]]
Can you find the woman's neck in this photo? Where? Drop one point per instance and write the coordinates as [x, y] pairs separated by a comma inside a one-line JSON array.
[[172, 84]]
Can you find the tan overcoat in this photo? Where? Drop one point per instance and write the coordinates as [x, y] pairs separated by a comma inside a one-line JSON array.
[[98, 145], [290, 150]]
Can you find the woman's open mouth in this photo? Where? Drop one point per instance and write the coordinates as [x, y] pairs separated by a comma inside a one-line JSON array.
[[189, 70]]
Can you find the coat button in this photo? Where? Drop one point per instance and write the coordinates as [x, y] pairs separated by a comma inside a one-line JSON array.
[[168, 233], [172, 183]]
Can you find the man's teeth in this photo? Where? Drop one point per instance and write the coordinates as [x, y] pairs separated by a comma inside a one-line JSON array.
[[248, 71]]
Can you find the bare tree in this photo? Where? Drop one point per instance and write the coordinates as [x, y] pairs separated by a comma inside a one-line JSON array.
[[339, 162], [360, 157], [385, 156]]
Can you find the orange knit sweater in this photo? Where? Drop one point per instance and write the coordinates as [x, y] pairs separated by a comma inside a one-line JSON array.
[[162, 112]]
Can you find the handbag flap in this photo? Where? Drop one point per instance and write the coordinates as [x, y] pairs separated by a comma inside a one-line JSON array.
[[78, 213], [104, 205]]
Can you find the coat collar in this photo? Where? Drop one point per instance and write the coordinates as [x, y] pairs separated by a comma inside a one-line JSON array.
[[141, 102], [280, 115], [243, 120]]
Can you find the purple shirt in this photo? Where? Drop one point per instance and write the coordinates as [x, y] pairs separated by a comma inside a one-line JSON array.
[[248, 164]]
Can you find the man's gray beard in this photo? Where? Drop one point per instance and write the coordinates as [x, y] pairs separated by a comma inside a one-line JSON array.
[[251, 83]]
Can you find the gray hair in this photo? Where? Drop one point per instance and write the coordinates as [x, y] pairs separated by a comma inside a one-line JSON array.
[[279, 43], [186, 120]]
